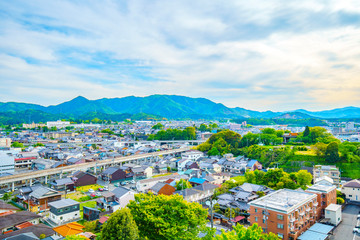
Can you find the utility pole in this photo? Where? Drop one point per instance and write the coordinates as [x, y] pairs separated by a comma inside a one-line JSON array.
[[211, 204]]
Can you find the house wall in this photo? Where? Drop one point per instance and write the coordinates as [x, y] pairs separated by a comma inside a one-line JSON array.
[[119, 174], [60, 219], [85, 180], [334, 216], [352, 194], [324, 200]]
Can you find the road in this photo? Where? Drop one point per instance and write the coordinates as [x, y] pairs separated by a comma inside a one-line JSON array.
[[345, 229]]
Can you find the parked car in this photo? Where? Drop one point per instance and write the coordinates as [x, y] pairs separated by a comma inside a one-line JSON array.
[[123, 183], [92, 195], [106, 189], [117, 185], [98, 194], [91, 190], [356, 230], [100, 189], [132, 181], [358, 216]]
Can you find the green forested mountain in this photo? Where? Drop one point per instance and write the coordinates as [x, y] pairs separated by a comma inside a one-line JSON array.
[[168, 106]]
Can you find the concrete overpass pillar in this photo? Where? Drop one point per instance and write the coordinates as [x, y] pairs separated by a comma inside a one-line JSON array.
[[46, 179], [12, 186], [30, 182], [95, 170]]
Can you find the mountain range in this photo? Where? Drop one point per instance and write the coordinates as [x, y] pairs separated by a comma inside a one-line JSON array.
[[167, 106]]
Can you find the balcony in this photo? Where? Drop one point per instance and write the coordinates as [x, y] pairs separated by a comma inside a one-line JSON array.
[[308, 209], [293, 235], [292, 220], [302, 213], [316, 204]]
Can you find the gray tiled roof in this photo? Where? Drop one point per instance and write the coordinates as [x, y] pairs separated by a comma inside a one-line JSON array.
[[17, 218], [37, 229], [120, 191], [63, 203], [41, 191]]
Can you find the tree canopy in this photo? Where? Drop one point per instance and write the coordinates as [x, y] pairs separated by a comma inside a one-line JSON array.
[[167, 217], [254, 232], [120, 225]]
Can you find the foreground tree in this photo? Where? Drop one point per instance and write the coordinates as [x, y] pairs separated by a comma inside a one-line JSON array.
[[120, 225], [254, 232], [167, 217]]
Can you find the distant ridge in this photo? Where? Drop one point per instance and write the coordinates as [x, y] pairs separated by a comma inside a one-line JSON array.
[[170, 107]]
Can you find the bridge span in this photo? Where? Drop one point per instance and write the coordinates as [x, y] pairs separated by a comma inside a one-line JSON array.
[[20, 177]]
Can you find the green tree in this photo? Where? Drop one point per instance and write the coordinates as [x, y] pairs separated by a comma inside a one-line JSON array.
[[254, 232], [90, 226], [42, 236], [182, 184], [303, 178], [75, 237], [163, 217], [340, 201], [120, 225], [214, 152], [6, 197], [39, 145], [158, 126], [17, 145], [332, 152], [306, 131]]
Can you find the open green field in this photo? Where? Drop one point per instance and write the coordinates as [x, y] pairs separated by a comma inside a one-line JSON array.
[[240, 179]]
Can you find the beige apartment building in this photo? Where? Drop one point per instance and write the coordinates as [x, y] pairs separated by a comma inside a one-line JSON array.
[[328, 171]]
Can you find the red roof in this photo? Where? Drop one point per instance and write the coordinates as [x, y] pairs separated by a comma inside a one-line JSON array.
[[238, 218], [103, 219], [24, 225]]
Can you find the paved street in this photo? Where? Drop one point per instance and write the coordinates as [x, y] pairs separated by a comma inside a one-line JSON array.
[[345, 230]]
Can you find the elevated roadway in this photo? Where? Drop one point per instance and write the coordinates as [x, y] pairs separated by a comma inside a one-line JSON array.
[[12, 179]]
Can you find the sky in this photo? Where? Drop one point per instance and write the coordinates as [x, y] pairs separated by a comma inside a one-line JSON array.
[[262, 55]]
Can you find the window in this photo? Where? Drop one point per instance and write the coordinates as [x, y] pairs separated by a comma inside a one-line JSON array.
[[256, 219], [264, 220], [280, 217], [350, 195], [280, 235], [280, 226], [255, 209]]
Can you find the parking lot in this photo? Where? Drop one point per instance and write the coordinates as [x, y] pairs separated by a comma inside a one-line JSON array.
[[345, 229]]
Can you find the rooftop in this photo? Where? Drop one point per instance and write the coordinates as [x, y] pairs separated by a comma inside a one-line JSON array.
[[284, 200], [321, 188], [63, 203], [333, 207]]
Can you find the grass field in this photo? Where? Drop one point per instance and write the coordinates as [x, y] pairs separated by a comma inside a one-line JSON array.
[[240, 179]]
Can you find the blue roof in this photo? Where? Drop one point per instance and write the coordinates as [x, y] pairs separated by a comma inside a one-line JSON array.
[[197, 180], [317, 231], [321, 228], [310, 235], [251, 163]]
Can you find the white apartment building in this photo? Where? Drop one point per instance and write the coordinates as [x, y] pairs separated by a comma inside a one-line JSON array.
[[7, 161]]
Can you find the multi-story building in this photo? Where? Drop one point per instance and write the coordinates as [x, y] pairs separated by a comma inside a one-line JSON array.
[[7, 162], [64, 210], [287, 213], [5, 142], [326, 195], [329, 171]]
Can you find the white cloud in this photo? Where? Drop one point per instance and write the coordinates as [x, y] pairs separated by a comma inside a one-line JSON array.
[[259, 55]]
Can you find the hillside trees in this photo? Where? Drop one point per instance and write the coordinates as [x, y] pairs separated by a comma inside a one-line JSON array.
[[332, 152], [174, 134], [221, 143]]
